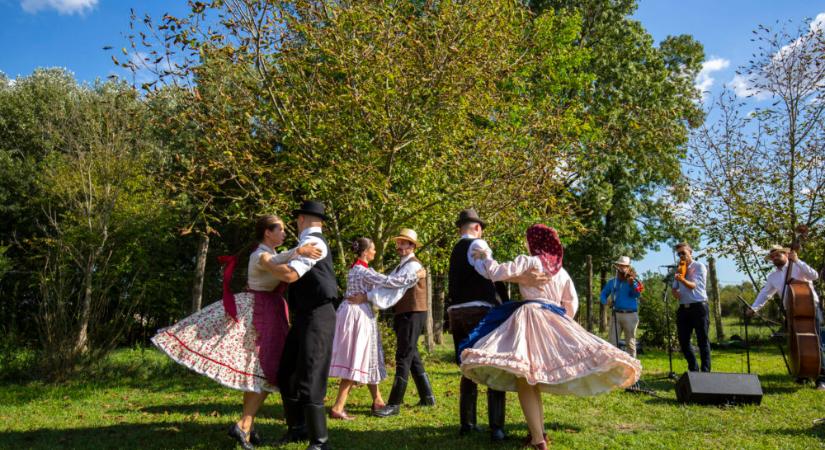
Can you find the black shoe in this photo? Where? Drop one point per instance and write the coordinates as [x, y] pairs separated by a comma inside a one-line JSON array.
[[497, 435], [820, 385], [399, 387], [316, 419], [425, 390], [237, 434], [255, 438], [468, 428], [387, 411]]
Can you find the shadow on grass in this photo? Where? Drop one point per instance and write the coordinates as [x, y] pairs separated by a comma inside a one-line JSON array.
[[808, 430], [194, 435]]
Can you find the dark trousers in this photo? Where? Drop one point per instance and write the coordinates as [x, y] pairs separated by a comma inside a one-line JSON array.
[[462, 322], [408, 328], [689, 318], [821, 344], [302, 376]]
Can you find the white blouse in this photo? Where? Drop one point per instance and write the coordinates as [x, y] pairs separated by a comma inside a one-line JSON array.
[[361, 280], [258, 277], [558, 290]]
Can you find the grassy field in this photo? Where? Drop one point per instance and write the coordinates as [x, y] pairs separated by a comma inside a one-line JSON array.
[[139, 399]]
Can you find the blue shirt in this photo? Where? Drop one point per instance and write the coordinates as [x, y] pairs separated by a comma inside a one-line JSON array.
[[696, 273], [624, 296]]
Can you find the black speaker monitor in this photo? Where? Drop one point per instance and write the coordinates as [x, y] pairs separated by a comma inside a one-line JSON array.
[[718, 388]]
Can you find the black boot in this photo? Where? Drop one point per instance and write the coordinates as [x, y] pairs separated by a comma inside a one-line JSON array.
[[296, 430], [393, 408], [425, 390], [467, 397], [495, 414], [316, 419]]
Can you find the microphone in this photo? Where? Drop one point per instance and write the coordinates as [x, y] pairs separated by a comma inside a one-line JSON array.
[[670, 266]]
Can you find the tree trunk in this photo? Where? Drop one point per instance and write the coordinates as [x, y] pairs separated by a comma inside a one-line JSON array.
[[200, 269], [602, 308], [430, 338], [438, 311], [589, 293], [82, 343], [715, 304]]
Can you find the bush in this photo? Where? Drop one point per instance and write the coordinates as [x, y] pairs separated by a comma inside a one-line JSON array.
[[652, 313]]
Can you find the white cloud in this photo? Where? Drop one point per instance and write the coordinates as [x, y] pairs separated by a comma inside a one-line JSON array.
[[61, 6], [704, 79]]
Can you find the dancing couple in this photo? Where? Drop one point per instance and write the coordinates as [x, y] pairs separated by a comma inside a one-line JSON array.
[[246, 342], [534, 345]]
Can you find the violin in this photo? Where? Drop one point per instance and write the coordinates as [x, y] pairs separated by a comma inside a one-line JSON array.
[[800, 317], [681, 269]]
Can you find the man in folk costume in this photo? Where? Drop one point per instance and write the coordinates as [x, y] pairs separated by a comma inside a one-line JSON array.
[[305, 363], [470, 297], [409, 320], [775, 283]]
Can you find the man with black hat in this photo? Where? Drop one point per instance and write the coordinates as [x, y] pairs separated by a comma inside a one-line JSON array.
[[302, 376], [410, 316], [470, 297]]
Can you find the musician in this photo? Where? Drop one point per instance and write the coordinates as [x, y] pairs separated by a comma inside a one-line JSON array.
[[693, 312], [775, 283], [624, 292]]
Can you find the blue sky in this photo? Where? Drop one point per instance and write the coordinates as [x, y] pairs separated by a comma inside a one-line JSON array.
[[72, 33]]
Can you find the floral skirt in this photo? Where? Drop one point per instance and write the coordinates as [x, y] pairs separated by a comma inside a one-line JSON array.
[[356, 349], [242, 355], [548, 350]]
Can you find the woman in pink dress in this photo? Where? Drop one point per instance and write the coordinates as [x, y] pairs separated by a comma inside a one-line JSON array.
[[535, 346], [238, 342], [357, 356]]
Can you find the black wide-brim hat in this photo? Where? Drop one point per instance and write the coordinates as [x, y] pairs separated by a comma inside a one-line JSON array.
[[311, 208], [469, 215]]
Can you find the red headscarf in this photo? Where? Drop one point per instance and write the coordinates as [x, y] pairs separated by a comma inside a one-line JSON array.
[[544, 242]]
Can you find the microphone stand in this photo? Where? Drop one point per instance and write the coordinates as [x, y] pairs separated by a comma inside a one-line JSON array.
[[671, 375], [745, 319]]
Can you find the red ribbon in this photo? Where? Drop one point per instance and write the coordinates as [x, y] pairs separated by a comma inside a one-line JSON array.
[[229, 306], [358, 262]]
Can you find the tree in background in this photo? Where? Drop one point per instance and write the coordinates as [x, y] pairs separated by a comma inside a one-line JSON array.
[[644, 102], [759, 172]]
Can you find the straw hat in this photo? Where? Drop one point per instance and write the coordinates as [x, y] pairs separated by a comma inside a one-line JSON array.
[[622, 261], [775, 249], [407, 234]]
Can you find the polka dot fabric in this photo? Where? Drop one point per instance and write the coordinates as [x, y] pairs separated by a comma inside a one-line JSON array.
[[544, 243]]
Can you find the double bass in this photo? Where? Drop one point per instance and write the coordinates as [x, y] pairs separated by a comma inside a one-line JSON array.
[[800, 316]]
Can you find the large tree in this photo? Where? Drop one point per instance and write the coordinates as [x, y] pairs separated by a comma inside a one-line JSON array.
[[644, 102], [758, 168]]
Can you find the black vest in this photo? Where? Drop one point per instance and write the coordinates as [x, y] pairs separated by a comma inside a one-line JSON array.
[[317, 287], [466, 285]]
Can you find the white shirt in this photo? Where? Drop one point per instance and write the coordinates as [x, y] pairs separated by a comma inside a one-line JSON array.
[[776, 282], [477, 244], [302, 264], [383, 297], [258, 278], [558, 290]]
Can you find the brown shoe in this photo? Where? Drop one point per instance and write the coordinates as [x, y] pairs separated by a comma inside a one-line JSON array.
[[340, 415]]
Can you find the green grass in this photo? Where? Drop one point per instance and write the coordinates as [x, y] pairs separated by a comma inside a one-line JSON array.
[[140, 399]]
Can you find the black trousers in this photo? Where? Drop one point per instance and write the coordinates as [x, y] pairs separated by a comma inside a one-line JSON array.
[[690, 318], [304, 369], [462, 322], [408, 328]]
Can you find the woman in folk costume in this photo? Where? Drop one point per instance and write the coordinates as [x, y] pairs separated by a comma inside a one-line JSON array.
[[238, 342], [535, 346], [357, 356]]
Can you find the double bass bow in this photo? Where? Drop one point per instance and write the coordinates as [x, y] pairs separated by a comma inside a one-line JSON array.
[[800, 316]]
